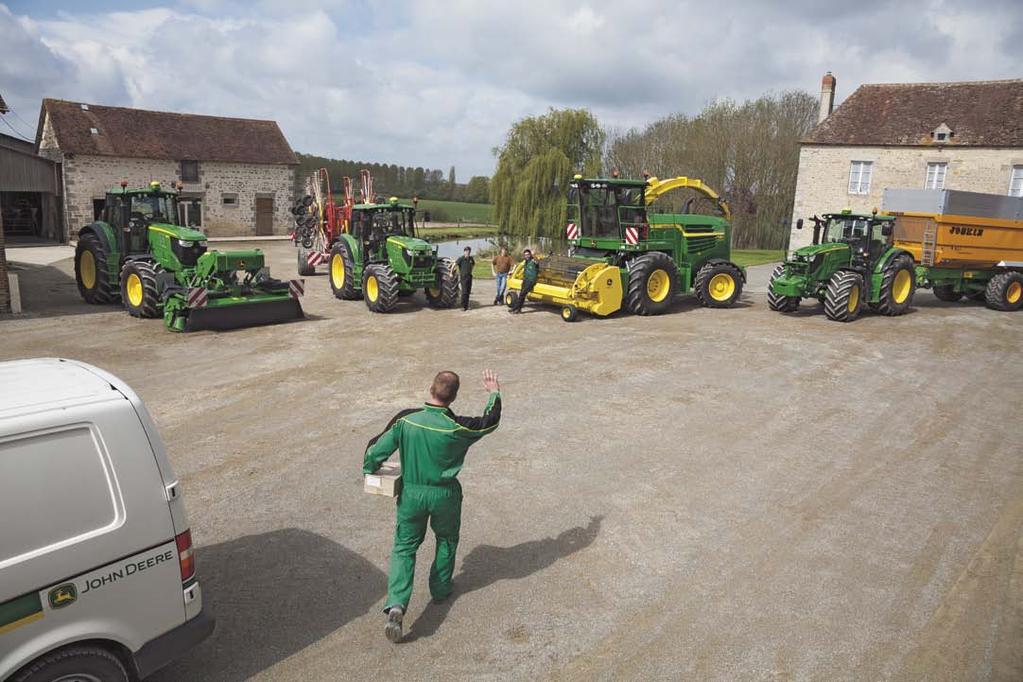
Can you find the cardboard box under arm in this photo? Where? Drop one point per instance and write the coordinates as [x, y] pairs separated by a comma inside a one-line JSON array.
[[385, 481]]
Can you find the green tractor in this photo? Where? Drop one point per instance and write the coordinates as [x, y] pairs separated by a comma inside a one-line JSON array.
[[378, 258], [137, 254], [851, 263]]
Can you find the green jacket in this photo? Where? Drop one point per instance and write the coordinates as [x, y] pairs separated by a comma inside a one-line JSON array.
[[432, 442], [531, 270]]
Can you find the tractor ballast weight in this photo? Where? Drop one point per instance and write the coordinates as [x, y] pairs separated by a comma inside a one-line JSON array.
[[626, 255], [138, 255]]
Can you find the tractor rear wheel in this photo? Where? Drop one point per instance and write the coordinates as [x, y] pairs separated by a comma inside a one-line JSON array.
[[718, 285], [91, 272], [947, 292], [843, 300], [445, 294], [138, 289], [342, 273], [898, 284], [380, 288], [304, 269], [778, 302], [1005, 291], [653, 282]]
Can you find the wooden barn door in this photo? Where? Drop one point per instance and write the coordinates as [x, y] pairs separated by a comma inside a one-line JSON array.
[[264, 216]]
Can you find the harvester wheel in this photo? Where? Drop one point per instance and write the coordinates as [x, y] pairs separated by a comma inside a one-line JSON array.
[[718, 285], [380, 288], [778, 302], [898, 284], [947, 292], [445, 294], [138, 289], [569, 313], [304, 268], [341, 270], [91, 272], [510, 298], [843, 300], [1005, 291], [653, 282]]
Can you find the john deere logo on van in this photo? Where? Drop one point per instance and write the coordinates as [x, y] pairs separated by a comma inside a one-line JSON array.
[[63, 595]]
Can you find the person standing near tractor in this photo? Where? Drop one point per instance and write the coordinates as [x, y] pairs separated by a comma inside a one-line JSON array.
[[501, 265], [465, 264], [530, 273], [432, 442]]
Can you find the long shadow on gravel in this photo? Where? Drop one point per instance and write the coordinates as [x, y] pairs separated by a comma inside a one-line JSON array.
[[488, 564], [274, 594]]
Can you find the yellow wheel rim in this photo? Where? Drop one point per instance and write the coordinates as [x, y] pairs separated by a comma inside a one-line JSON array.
[[566, 313], [1014, 292], [434, 292], [134, 289], [372, 288], [87, 269], [658, 284], [901, 286], [854, 299], [337, 271], [721, 287]]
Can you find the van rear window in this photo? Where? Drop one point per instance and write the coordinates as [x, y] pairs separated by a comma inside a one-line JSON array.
[[54, 487]]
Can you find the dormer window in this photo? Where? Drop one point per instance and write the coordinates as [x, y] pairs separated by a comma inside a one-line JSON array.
[[94, 131], [942, 133]]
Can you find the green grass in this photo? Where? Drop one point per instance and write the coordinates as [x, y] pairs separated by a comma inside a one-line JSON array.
[[748, 257], [453, 211], [439, 234]]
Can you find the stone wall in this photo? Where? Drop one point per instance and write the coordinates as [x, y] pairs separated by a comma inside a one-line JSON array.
[[823, 182], [5, 291]]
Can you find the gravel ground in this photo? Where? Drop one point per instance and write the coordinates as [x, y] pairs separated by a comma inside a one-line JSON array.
[[709, 494]]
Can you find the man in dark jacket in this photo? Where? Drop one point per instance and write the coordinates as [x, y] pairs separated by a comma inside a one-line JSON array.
[[432, 442], [530, 273], [465, 264]]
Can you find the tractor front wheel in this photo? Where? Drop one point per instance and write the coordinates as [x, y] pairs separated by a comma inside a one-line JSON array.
[[380, 288], [342, 273], [653, 282], [778, 302], [843, 300], [138, 289], [898, 283], [91, 274], [947, 292], [445, 293], [718, 285], [1005, 291]]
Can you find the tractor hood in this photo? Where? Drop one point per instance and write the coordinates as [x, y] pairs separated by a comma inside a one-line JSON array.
[[412, 244], [178, 232], [808, 253]]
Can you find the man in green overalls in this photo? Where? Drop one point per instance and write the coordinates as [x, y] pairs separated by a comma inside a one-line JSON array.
[[432, 442]]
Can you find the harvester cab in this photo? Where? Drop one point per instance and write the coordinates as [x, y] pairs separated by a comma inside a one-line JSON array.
[[850, 263], [138, 254]]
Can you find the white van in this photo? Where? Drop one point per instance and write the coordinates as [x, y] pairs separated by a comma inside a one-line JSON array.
[[97, 571]]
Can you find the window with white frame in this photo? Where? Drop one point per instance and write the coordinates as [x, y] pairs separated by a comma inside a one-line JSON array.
[[1016, 182], [859, 177], [935, 176]]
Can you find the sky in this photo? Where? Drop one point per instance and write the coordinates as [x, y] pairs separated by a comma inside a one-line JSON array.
[[435, 84]]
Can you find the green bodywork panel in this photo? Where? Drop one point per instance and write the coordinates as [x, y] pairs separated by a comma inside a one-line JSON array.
[[968, 282]]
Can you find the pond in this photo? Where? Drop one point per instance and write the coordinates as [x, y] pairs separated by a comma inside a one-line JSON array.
[[454, 247]]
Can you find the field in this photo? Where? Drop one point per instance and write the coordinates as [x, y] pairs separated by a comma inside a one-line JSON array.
[[455, 211]]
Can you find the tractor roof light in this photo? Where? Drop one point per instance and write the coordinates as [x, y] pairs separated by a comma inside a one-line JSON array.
[[154, 185], [394, 201], [124, 184]]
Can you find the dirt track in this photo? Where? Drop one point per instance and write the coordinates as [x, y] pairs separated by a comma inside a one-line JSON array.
[[710, 494]]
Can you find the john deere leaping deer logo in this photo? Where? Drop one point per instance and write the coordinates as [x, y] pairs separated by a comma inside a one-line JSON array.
[[63, 595]]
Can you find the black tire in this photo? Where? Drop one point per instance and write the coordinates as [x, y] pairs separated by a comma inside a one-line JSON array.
[[102, 290], [86, 661], [380, 288], [445, 295], [898, 284], [1005, 291], [778, 302], [146, 302], [718, 285], [344, 286], [947, 292], [569, 313], [510, 297], [304, 268], [844, 298], [649, 292]]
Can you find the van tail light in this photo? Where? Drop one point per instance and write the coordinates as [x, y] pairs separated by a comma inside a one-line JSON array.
[[186, 554]]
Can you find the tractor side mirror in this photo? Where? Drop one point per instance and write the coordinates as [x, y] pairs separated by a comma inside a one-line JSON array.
[[886, 230], [799, 224]]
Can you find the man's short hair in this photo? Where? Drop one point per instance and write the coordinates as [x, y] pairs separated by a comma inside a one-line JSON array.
[[468, 248], [525, 251], [445, 387]]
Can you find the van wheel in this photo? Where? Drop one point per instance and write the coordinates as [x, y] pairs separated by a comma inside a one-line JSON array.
[[85, 663]]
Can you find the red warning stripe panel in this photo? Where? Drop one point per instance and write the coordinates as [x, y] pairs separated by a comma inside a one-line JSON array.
[[197, 297], [631, 235], [572, 231], [296, 288]]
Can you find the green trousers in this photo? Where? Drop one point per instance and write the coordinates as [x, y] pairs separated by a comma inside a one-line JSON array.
[[441, 506]]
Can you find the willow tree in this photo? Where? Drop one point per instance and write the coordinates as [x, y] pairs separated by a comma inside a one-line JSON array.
[[534, 166]]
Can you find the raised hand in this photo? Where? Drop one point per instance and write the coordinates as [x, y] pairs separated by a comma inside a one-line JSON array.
[[490, 381]]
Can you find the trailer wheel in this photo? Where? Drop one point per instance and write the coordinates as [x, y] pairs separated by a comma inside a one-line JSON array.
[[91, 274], [718, 285], [1005, 291], [947, 292], [778, 302], [653, 282], [898, 284], [342, 272], [304, 269], [445, 294], [380, 288], [569, 313], [843, 300], [510, 298], [138, 289]]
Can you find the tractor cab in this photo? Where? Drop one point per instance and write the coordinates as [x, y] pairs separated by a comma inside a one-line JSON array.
[[132, 213], [868, 236], [373, 224], [604, 212]]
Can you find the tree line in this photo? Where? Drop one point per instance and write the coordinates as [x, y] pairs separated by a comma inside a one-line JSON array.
[[394, 180]]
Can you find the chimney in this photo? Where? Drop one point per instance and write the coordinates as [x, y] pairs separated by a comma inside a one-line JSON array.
[[827, 96]]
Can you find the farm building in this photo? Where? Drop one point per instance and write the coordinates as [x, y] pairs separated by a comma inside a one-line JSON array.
[[965, 136], [237, 174]]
